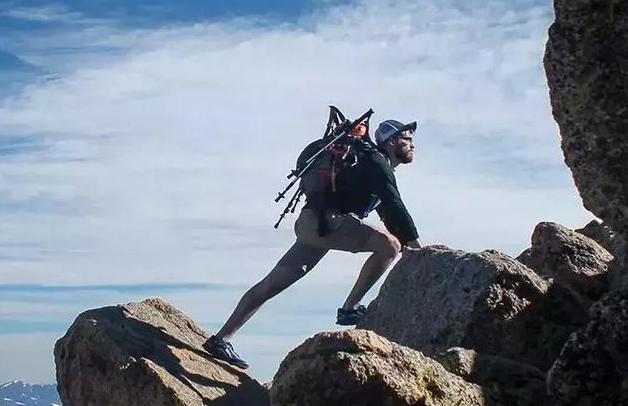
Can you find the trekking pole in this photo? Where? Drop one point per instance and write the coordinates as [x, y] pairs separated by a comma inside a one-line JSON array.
[[308, 164], [300, 173], [290, 207], [294, 206]]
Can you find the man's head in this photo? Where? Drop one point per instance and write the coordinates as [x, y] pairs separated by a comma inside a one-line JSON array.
[[396, 139]]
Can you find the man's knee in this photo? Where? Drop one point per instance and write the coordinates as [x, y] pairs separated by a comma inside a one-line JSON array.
[[386, 244]]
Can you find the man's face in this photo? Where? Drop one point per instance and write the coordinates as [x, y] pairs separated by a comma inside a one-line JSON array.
[[404, 147]]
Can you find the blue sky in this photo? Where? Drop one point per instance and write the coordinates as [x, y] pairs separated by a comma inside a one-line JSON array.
[[151, 13], [141, 148]]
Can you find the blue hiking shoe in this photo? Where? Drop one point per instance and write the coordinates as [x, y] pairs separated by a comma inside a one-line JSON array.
[[351, 317], [222, 350]]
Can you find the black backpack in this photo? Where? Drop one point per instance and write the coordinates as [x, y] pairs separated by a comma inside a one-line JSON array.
[[320, 162]]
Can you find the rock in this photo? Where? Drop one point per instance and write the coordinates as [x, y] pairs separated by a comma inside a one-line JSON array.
[[585, 62], [600, 233], [358, 367], [437, 298], [570, 258], [524, 257], [511, 383], [619, 266], [617, 245], [592, 368], [146, 353]]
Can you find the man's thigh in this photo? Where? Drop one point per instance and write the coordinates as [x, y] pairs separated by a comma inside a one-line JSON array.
[[292, 266], [347, 232], [301, 257]]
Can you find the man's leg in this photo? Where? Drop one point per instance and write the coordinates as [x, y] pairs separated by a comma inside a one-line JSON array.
[[350, 233], [384, 248], [295, 263]]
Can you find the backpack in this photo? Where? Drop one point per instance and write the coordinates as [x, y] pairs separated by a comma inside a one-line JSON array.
[[322, 160]]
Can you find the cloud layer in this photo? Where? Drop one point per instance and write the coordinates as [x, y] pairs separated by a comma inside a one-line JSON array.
[[154, 154]]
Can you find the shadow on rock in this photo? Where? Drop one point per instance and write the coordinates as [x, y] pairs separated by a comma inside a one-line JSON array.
[[146, 353]]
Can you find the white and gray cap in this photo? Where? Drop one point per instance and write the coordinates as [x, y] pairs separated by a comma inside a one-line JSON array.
[[390, 128]]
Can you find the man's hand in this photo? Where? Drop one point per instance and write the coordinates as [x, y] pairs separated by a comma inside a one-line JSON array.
[[413, 244]]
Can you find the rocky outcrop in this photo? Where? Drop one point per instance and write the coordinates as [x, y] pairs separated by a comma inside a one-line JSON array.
[[619, 266], [437, 298], [616, 244], [592, 368], [507, 381], [358, 367], [600, 233], [146, 353], [585, 62], [569, 257]]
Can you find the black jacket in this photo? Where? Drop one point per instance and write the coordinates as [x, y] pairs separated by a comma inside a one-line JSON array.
[[371, 182]]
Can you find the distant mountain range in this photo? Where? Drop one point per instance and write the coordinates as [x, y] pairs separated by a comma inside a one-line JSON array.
[[17, 393]]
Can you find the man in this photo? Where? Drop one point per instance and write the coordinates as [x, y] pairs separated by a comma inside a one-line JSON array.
[[361, 188]]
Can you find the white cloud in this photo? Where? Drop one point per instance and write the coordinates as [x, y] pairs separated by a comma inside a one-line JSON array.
[[163, 158], [48, 13]]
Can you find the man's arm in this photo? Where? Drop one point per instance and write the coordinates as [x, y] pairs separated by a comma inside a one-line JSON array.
[[391, 210]]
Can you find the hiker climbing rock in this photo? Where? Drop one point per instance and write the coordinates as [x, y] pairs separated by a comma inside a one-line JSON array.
[[344, 176]]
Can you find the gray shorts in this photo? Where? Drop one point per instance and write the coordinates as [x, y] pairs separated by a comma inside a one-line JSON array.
[[347, 232]]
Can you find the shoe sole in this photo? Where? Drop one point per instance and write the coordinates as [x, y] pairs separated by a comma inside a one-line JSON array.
[[348, 323], [228, 361], [235, 364]]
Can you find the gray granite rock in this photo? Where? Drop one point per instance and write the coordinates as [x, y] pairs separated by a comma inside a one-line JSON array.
[[436, 298], [585, 62], [592, 368], [569, 257], [358, 367], [146, 354], [506, 381]]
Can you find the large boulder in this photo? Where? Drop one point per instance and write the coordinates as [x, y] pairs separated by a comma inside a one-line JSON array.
[[569, 257], [592, 369], [358, 367], [600, 233], [437, 298], [510, 382], [585, 62], [616, 244], [619, 266], [146, 354]]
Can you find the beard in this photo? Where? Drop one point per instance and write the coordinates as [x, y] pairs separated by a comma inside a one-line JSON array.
[[405, 157]]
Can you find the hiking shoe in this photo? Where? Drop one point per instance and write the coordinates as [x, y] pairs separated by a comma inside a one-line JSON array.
[[350, 317], [222, 350]]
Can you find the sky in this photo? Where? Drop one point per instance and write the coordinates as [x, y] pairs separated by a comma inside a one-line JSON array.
[[142, 147]]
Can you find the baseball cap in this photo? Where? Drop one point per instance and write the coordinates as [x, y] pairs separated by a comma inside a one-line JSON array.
[[390, 128]]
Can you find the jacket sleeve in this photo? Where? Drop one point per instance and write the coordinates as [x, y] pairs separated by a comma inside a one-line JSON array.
[[391, 210]]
